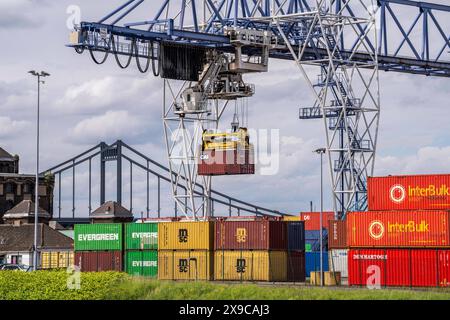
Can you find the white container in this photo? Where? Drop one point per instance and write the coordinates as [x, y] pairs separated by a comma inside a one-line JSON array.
[[338, 260]]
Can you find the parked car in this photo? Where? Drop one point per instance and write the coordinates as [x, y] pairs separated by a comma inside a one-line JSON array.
[[17, 267]]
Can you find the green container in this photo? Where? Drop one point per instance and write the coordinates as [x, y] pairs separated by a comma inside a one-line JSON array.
[[142, 263], [308, 247], [141, 236], [96, 237]]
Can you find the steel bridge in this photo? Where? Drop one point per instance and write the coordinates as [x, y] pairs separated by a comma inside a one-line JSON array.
[[348, 40], [119, 154]]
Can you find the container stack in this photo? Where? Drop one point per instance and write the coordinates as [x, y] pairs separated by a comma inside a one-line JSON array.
[[141, 249], [312, 240], [185, 250], [98, 247], [259, 250], [404, 239]]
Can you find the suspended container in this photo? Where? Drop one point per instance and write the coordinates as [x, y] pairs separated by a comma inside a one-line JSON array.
[[398, 229], [102, 236], [244, 265], [418, 192], [226, 153], [141, 236], [142, 263], [185, 265], [186, 235], [252, 235], [95, 261]]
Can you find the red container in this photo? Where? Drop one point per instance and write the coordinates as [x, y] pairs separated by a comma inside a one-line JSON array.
[[398, 229], [296, 266], [224, 162], [421, 192], [337, 234], [251, 235], [312, 219], [99, 260], [399, 267]]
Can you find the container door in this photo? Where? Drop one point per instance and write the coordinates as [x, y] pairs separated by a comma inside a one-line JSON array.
[[398, 268], [444, 268], [424, 268]]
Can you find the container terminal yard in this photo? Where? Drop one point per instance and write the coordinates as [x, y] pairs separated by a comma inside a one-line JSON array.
[[113, 214]]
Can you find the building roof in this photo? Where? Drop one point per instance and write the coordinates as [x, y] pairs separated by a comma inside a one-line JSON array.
[[111, 209], [5, 156], [21, 238], [25, 209]]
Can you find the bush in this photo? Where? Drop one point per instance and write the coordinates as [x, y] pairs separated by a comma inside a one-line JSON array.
[[53, 285]]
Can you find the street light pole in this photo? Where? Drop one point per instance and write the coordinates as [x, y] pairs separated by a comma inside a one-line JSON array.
[[36, 187], [321, 151]]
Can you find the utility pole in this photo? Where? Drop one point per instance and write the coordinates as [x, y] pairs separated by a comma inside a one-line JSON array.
[[36, 187], [321, 151]]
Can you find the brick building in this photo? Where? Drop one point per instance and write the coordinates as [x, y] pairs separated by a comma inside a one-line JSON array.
[[15, 187]]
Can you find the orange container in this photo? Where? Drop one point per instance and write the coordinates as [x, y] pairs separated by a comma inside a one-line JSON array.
[[384, 229], [419, 192], [312, 219]]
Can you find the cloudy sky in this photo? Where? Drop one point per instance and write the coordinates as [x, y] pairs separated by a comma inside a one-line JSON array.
[[83, 104]]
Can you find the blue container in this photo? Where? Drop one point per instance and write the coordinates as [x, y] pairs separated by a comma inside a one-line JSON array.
[[296, 235], [312, 261], [312, 239]]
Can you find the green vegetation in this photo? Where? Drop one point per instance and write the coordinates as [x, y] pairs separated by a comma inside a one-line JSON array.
[[53, 285], [50, 285]]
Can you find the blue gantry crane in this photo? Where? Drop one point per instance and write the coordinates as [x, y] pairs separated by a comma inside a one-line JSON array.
[[204, 48]]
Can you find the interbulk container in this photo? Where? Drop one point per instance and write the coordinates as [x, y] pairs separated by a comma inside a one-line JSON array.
[[186, 235], [244, 265], [418, 192], [398, 229], [312, 240], [312, 262], [185, 265], [296, 266], [337, 234], [399, 267], [141, 236], [103, 236], [251, 235], [312, 219], [338, 261], [56, 259], [296, 235], [142, 263], [94, 261]]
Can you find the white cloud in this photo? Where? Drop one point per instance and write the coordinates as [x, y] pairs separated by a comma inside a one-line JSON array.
[[9, 127], [111, 125], [17, 14]]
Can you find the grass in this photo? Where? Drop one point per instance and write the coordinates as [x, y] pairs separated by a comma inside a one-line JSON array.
[[157, 290], [50, 285]]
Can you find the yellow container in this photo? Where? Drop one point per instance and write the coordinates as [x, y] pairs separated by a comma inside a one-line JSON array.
[[185, 265], [250, 265], [329, 278], [332, 278], [186, 235], [291, 218], [56, 259]]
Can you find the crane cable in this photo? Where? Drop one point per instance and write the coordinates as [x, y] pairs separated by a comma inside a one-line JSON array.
[[116, 56], [138, 63], [106, 53]]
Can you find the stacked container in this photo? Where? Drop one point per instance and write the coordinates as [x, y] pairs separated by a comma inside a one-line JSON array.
[[185, 250], [141, 249], [338, 247], [312, 240], [259, 250], [404, 238], [98, 247]]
